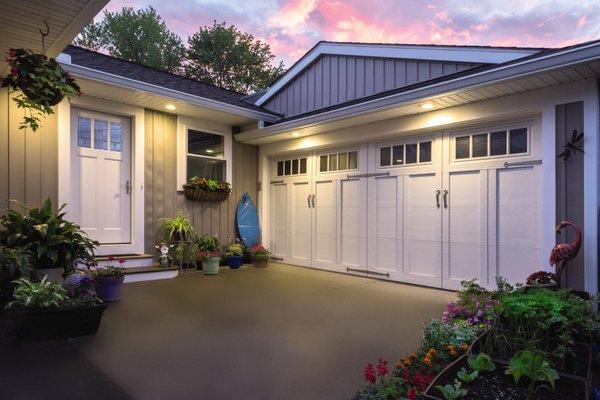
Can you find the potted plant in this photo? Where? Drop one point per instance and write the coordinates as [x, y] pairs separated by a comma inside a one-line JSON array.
[[44, 311], [260, 255], [41, 80], [14, 263], [206, 189], [50, 240], [235, 255], [179, 233], [109, 280], [209, 254]]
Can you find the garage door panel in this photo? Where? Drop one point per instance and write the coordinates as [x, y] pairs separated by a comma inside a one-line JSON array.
[[353, 223], [279, 220], [517, 222], [325, 227], [465, 220], [301, 234], [386, 243]]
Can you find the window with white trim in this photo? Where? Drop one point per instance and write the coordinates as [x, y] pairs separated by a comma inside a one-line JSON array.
[[205, 154], [493, 143], [292, 166], [405, 154], [338, 162]]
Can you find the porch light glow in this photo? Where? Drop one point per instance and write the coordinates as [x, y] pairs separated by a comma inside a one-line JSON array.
[[170, 107], [427, 106], [295, 134], [209, 151]]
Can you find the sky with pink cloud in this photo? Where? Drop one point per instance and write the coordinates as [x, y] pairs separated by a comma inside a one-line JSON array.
[[292, 27]]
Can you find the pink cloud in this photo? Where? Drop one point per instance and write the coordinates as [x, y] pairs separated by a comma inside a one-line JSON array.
[[291, 27]]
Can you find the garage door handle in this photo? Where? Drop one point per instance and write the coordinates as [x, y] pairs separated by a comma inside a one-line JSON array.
[[445, 199], [312, 197], [308, 200], [437, 197]]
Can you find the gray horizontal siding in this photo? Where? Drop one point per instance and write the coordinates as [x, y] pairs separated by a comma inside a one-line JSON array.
[[162, 198], [333, 80]]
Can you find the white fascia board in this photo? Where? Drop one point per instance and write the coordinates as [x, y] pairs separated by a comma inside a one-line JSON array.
[[477, 55], [104, 77], [504, 73]]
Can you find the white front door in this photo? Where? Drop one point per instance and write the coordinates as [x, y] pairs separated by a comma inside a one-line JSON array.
[[101, 171]]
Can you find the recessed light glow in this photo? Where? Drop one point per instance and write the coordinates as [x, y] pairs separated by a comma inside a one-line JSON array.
[[210, 151], [295, 134], [427, 106], [170, 107]]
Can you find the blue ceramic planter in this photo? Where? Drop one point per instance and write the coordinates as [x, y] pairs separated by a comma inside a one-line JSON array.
[[235, 261], [108, 288]]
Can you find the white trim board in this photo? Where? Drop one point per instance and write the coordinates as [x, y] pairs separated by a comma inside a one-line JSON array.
[[137, 115], [478, 55], [185, 123]]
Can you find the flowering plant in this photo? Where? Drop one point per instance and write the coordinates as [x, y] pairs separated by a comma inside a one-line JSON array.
[[541, 278], [259, 249], [42, 81], [110, 270], [380, 384], [208, 184]]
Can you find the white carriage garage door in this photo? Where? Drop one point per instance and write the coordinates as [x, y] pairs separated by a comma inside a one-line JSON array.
[[432, 210]]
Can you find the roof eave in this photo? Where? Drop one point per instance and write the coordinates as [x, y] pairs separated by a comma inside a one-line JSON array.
[[502, 73], [105, 77]]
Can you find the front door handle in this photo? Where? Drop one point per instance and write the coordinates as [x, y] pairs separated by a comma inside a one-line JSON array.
[[445, 199], [308, 200], [127, 187], [313, 200], [437, 197]]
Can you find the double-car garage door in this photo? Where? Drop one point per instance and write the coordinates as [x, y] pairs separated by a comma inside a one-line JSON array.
[[433, 209]]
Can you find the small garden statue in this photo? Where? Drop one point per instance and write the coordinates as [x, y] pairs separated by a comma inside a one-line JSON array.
[[564, 252], [164, 259]]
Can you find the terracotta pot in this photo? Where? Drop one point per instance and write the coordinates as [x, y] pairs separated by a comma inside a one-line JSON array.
[[260, 260]]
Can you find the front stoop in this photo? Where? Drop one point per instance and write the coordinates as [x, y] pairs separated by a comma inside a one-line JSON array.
[[140, 267], [131, 260], [154, 273]]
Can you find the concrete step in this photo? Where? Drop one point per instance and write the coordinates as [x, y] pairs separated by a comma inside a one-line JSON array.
[[131, 260], [152, 273]]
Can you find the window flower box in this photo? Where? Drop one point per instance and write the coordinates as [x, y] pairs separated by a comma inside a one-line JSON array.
[[203, 189]]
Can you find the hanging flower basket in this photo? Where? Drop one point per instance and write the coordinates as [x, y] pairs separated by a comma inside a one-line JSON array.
[[204, 189], [41, 80]]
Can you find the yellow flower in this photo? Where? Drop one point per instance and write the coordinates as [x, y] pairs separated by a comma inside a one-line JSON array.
[[464, 347], [427, 361]]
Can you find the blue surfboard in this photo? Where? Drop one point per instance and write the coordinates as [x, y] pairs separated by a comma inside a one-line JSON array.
[[246, 219]]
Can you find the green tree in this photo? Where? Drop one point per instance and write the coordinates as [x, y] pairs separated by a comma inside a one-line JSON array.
[[140, 36], [229, 58]]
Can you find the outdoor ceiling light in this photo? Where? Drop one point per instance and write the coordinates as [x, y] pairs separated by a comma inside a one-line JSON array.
[[170, 107], [210, 151], [427, 106], [295, 134]]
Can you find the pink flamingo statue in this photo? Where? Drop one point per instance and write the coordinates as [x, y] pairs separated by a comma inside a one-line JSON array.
[[564, 252]]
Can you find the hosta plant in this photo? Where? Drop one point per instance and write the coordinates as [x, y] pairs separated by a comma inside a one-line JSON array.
[[38, 295]]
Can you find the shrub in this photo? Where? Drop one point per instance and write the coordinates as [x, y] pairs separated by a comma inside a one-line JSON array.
[[235, 250], [50, 240]]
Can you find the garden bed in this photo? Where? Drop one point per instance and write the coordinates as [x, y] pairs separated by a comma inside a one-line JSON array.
[[496, 385]]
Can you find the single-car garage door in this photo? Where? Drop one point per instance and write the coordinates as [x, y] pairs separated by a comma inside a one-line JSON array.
[[432, 210]]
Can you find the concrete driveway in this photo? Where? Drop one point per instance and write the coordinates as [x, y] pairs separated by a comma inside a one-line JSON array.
[[278, 333]]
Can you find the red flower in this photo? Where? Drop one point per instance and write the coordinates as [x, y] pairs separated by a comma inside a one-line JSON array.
[[122, 261], [382, 368], [412, 394], [370, 375], [111, 258], [421, 381]]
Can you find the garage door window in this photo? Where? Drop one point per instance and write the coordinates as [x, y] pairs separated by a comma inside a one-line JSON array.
[[500, 143], [338, 162], [294, 166], [405, 154]]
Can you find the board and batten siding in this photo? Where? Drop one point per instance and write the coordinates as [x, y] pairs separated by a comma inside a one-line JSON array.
[[162, 198], [570, 189], [333, 80], [28, 160]]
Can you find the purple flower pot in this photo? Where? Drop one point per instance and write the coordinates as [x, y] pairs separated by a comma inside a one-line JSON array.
[[109, 287]]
